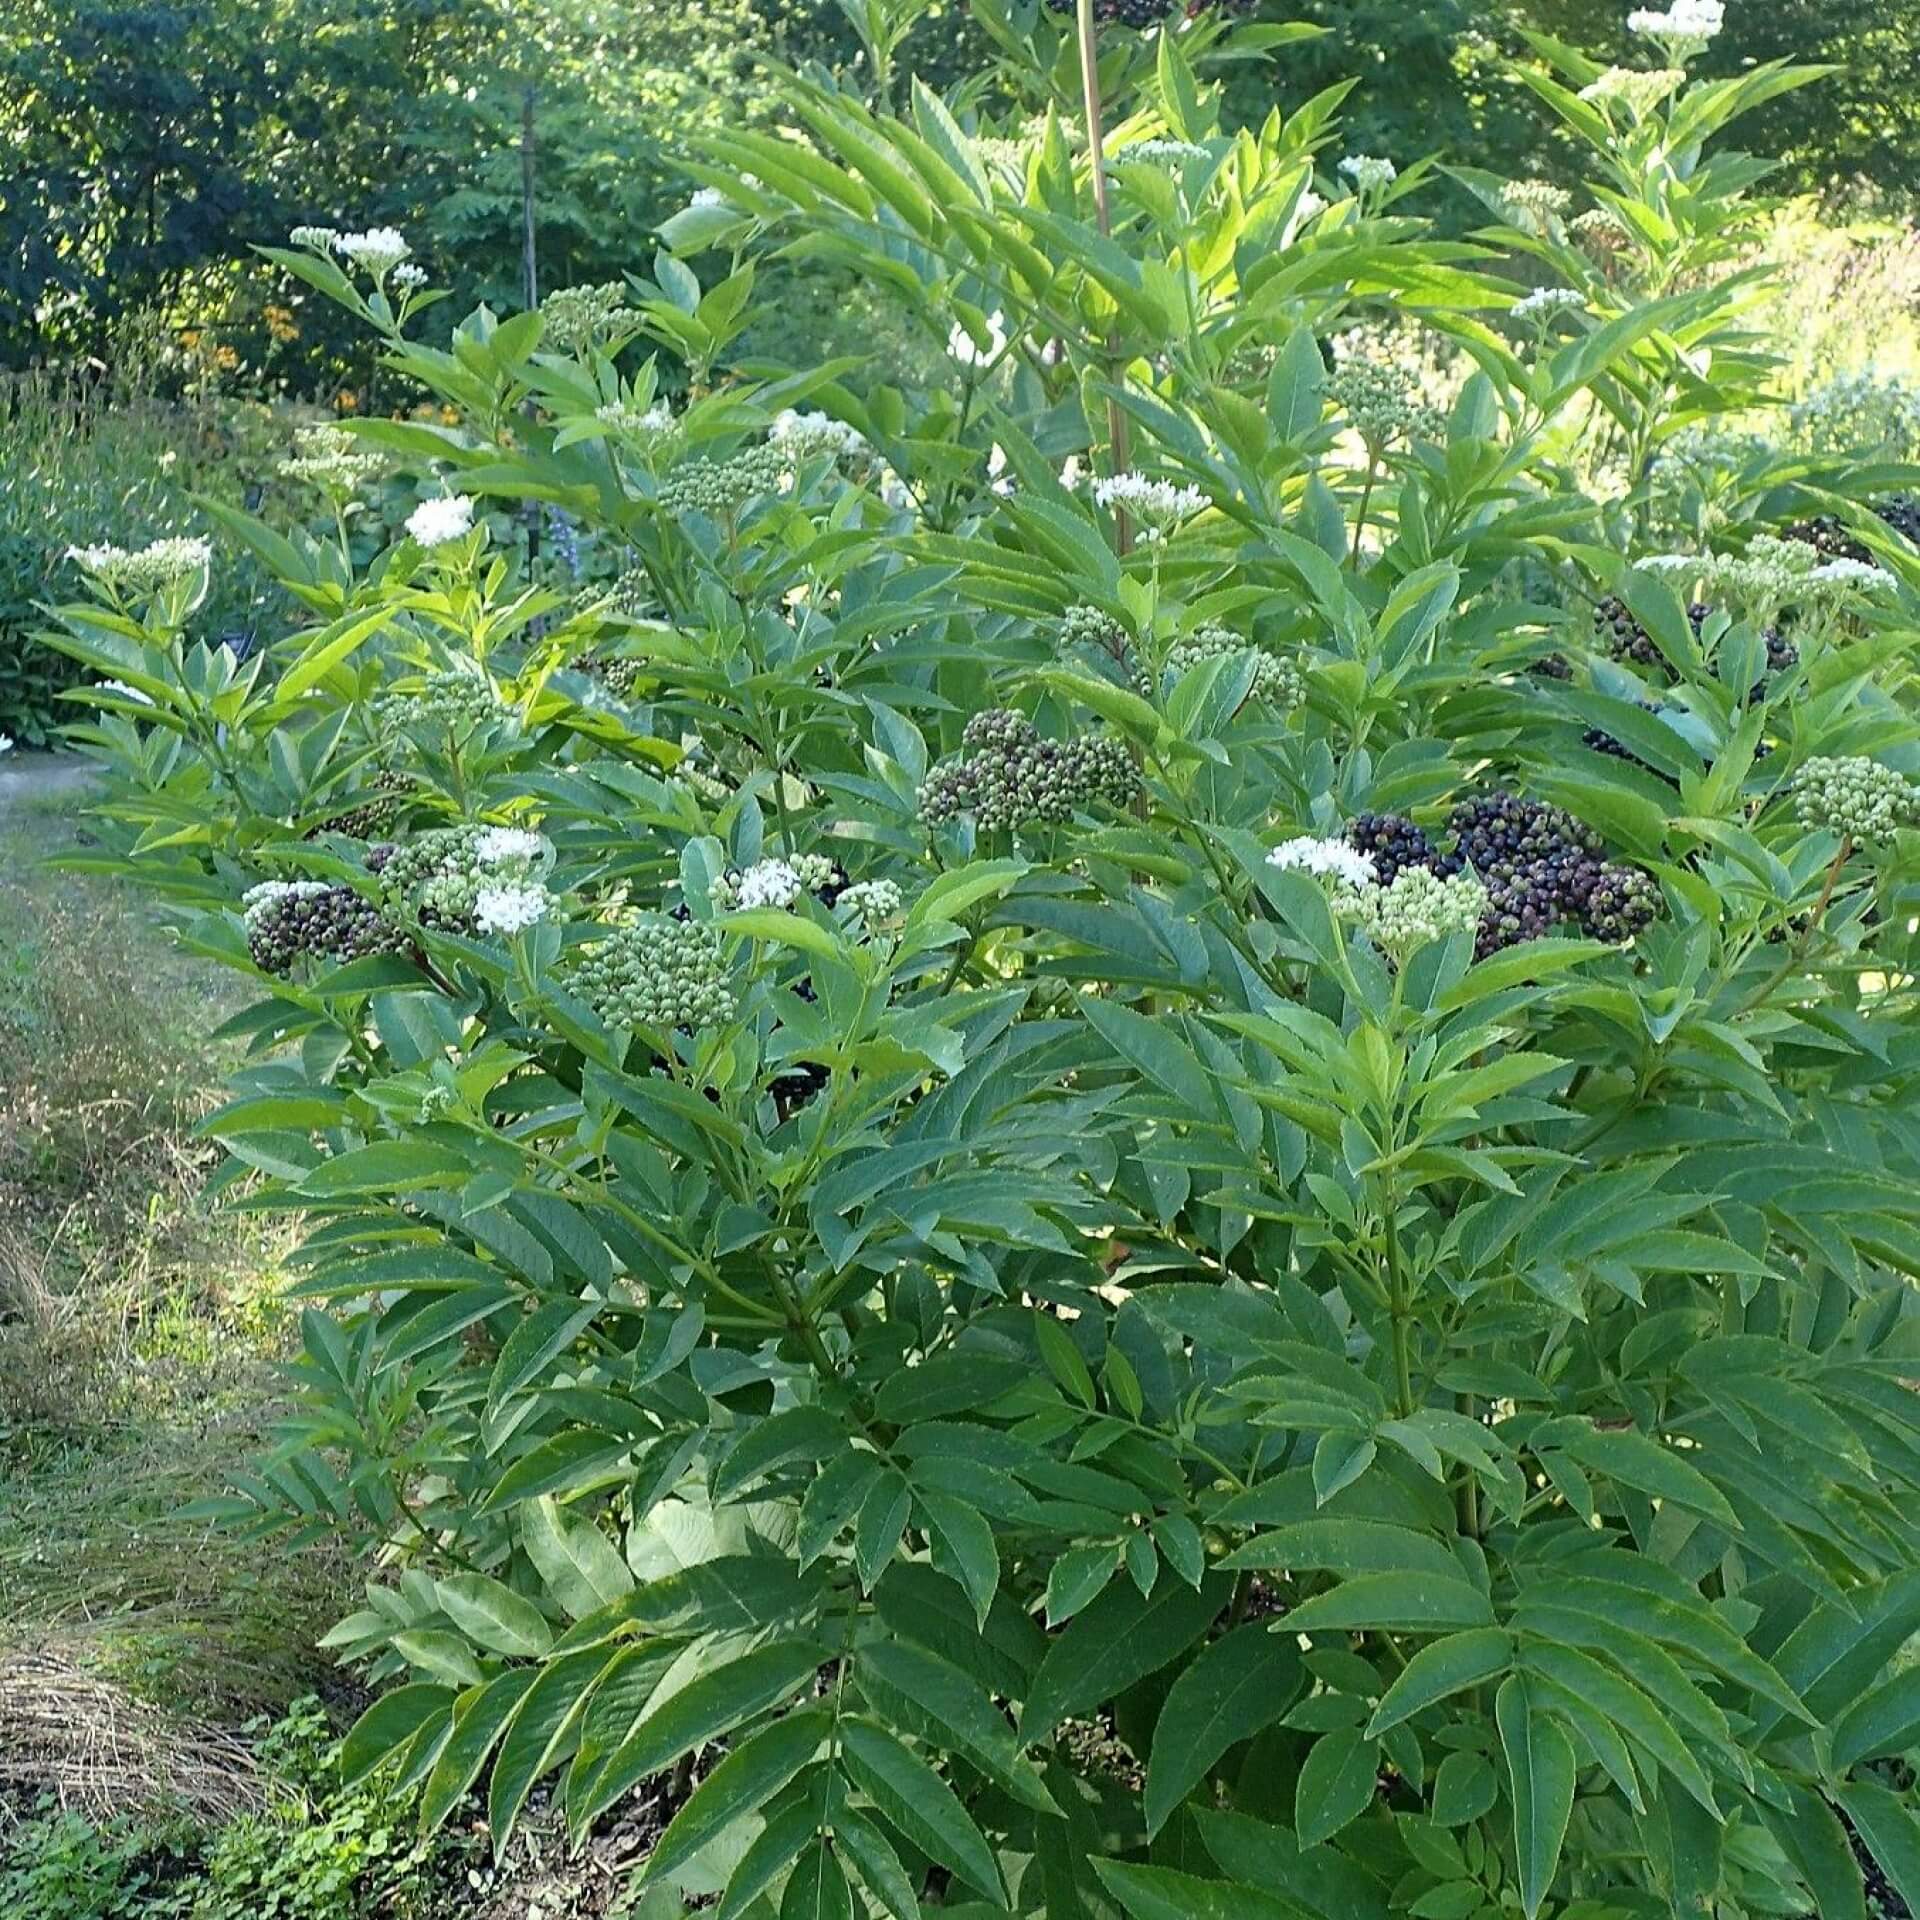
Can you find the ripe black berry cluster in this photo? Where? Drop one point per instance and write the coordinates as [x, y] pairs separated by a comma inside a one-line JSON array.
[[1393, 843], [1148, 13], [289, 921], [1011, 777], [384, 800], [1540, 866], [1834, 539]]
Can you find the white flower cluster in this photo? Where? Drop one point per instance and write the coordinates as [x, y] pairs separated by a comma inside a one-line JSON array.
[[494, 846], [329, 458], [1637, 90], [377, 251], [1157, 504], [1309, 206], [1333, 859], [145, 569], [1861, 413], [1547, 303], [968, 351], [256, 900], [770, 883], [319, 239], [1367, 171], [705, 198], [437, 523], [1769, 572], [510, 907], [805, 434], [654, 425], [1693, 21], [1540, 198]]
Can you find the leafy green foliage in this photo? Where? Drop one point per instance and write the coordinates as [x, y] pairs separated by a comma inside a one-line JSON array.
[[1008, 1344]]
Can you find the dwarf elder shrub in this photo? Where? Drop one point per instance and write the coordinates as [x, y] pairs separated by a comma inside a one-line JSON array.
[[1171, 1196]]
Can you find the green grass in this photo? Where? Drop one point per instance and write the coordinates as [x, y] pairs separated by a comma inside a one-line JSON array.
[[140, 1329]]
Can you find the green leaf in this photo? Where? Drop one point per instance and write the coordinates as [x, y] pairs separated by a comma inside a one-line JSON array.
[[1540, 1775], [1446, 1667], [935, 1701], [1154, 1049], [741, 1784], [1339, 1459], [1892, 1833], [478, 1721], [817, 1889], [1118, 1639], [387, 1726], [1077, 1577], [876, 1862], [1394, 1603], [1886, 1721], [494, 1616], [1239, 1684], [1636, 1461], [537, 1738], [1163, 1893], [582, 1568], [1337, 1783], [701, 1711], [963, 1548], [916, 1801]]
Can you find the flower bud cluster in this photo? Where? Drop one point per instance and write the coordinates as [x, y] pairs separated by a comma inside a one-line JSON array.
[[453, 702], [776, 883], [722, 486], [1367, 172], [573, 318], [1011, 777], [290, 920], [1856, 796], [658, 972], [377, 251], [1275, 680], [145, 569], [331, 459], [1545, 304]]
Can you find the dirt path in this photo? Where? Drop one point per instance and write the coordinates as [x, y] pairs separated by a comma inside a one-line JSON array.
[[32, 780]]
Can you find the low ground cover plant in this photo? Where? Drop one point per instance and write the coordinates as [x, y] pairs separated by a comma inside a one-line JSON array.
[[1130, 1134]]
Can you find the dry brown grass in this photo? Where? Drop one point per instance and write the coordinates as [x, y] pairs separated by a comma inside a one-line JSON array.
[[74, 1734]]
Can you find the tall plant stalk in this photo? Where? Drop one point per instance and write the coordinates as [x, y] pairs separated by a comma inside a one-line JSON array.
[[1117, 439]]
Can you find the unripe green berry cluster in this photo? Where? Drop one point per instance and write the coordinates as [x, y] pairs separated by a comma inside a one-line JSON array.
[[1383, 402], [1417, 907], [1856, 796], [454, 702], [1275, 680], [1011, 777], [722, 486], [658, 972]]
